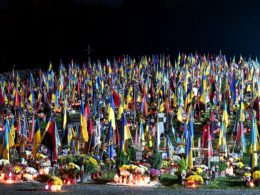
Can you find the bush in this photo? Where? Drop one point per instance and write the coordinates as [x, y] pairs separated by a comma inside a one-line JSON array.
[[155, 160], [222, 166], [182, 167], [122, 159]]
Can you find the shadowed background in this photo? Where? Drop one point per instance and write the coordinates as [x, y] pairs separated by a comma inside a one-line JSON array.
[[33, 32]]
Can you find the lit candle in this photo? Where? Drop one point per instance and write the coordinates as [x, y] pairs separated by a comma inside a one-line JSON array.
[[251, 184]]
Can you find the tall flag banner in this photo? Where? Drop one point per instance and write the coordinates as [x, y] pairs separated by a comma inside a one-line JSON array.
[[25, 127], [253, 142], [141, 133], [109, 141], [223, 130], [36, 137], [6, 146], [31, 133], [144, 107], [83, 123], [11, 136], [170, 147], [111, 113], [50, 139], [203, 88], [125, 134], [188, 151]]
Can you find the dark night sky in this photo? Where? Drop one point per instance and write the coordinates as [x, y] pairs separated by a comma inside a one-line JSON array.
[[33, 32]]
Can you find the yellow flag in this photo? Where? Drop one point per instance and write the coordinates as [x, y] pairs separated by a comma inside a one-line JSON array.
[[179, 114], [121, 110], [162, 107]]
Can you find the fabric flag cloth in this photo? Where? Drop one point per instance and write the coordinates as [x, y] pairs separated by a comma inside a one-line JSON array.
[[253, 144], [223, 130], [206, 128], [6, 146], [36, 137], [31, 133], [65, 130], [116, 98], [144, 107], [50, 139], [83, 123], [109, 141], [111, 113], [188, 151], [141, 133], [97, 132], [125, 134], [203, 89], [170, 147], [12, 134], [25, 127]]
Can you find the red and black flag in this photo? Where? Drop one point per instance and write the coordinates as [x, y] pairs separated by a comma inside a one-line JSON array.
[[51, 139]]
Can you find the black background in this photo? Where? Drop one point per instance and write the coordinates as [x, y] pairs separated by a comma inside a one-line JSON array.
[[35, 32]]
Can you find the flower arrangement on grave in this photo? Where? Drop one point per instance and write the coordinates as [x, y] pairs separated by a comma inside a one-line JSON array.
[[247, 177], [13, 172], [154, 174], [176, 159], [132, 174], [91, 165], [69, 173], [54, 184], [194, 180], [43, 163], [29, 174], [166, 164], [256, 177]]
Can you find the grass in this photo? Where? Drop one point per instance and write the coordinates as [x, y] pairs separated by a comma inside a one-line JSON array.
[[169, 180], [226, 183]]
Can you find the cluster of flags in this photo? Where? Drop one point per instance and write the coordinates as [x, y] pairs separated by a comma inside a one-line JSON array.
[[127, 93]]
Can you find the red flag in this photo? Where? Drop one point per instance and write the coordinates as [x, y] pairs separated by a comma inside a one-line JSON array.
[[49, 140], [205, 132], [90, 129], [87, 110], [17, 101], [116, 98]]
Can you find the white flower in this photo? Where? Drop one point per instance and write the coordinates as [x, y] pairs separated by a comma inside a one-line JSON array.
[[4, 162], [176, 158], [31, 170]]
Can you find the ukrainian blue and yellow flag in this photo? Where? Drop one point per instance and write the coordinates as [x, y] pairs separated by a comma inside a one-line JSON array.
[[6, 146], [83, 123]]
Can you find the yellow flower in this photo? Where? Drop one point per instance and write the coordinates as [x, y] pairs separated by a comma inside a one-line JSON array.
[[256, 175], [17, 169], [133, 167], [240, 164], [199, 171], [247, 174], [56, 180], [195, 179]]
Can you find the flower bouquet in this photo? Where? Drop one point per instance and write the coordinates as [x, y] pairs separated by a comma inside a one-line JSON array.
[[256, 177], [154, 174], [29, 174], [91, 165], [13, 172], [69, 173], [54, 184], [194, 180]]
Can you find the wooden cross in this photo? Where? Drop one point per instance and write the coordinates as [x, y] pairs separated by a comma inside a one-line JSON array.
[[89, 50]]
